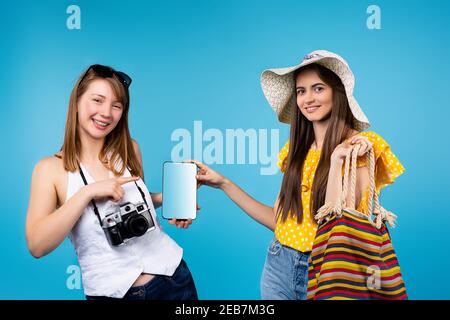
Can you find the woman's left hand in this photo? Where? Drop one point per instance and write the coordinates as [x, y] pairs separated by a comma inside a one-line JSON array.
[[183, 224]]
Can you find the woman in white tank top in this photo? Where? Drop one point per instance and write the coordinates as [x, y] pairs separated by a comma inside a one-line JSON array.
[[93, 192]]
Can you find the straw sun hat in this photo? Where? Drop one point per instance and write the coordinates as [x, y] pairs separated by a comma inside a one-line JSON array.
[[278, 86]]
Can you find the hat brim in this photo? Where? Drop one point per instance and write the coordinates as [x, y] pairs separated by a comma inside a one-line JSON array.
[[278, 85]]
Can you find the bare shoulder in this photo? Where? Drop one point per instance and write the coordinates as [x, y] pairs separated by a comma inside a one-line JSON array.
[[47, 166], [50, 171]]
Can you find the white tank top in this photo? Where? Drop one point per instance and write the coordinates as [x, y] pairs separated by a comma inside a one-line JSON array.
[[111, 270]]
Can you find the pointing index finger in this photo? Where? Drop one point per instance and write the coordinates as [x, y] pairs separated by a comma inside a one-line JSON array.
[[123, 180]]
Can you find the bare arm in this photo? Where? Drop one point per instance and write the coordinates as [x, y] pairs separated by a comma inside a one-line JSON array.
[[46, 226], [334, 186], [258, 211]]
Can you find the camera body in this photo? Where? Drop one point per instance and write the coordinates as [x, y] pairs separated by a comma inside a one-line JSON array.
[[129, 221]]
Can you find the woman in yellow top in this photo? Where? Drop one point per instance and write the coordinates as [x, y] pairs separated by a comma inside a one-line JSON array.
[[316, 98]]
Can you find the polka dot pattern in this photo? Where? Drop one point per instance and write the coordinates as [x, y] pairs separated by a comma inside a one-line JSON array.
[[301, 236]]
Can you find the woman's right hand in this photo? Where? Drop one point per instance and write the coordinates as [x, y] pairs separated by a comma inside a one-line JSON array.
[[109, 188], [343, 149], [208, 176]]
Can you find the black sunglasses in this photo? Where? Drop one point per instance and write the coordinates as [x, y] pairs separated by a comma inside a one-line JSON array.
[[107, 72]]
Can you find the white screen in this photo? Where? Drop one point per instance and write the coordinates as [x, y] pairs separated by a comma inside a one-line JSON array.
[[179, 190]]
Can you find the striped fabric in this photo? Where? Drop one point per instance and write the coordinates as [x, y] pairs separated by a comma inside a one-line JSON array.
[[352, 259]]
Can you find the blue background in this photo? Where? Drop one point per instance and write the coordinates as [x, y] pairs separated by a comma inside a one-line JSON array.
[[201, 60]]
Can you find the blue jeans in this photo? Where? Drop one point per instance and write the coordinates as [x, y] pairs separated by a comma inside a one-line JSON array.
[[180, 286], [285, 273]]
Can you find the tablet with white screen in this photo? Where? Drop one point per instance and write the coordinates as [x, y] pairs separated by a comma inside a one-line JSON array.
[[179, 190]]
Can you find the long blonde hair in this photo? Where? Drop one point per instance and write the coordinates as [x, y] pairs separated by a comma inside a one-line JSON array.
[[118, 144]]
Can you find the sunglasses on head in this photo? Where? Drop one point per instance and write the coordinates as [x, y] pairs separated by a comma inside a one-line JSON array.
[[107, 72]]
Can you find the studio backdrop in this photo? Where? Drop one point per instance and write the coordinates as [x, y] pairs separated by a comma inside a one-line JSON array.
[[196, 93]]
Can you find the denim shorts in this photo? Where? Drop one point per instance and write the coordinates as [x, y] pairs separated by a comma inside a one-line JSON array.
[[285, 273], [179, 286]]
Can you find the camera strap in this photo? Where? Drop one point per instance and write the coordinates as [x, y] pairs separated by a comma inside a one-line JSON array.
[[92, 200], [97, 213]]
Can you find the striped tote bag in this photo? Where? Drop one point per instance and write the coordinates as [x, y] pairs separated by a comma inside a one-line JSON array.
[[352, 256]]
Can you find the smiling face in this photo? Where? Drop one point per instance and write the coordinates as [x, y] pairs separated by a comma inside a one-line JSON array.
[[314, 96], [98, 110]]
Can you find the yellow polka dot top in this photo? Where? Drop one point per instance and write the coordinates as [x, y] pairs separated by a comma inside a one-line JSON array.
[[301, 236]]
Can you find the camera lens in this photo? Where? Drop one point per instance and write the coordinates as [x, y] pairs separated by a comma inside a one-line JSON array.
[[137, 225]]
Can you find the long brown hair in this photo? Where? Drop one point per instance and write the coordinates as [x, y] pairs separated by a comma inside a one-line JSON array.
[[301, 138], [118, 142]]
